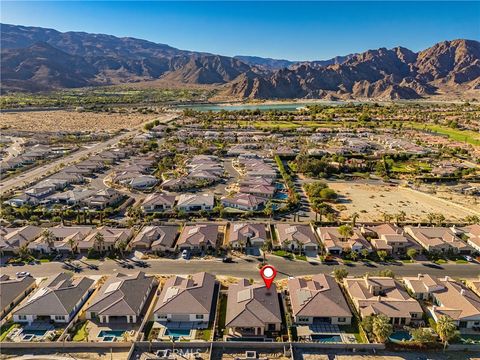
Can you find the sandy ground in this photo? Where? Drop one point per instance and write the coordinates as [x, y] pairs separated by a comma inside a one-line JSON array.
[[63, 120], [372, 201]]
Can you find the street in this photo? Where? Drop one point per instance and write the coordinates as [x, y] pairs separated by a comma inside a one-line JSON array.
[[246, 268]]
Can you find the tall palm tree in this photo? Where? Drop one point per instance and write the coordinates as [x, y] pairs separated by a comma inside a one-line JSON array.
[[121, 246], [345, 231], [71, 242], [382, 328], [354, 218], [446, 329], [48, 238], [99, 241]]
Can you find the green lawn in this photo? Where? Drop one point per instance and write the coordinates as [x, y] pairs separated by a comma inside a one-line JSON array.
[[468, 136], [81, 333], [283, 253], [222, 313], [440, 261], [301, 257], [204, 334], [6, 328]]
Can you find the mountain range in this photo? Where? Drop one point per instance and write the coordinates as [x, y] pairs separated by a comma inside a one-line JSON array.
[[37, 59]]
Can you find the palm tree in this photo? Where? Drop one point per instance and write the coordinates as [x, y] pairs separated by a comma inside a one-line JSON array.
[[430, 218], [446, 329], [268, 211], [354, 255], [400, 216], [354, 218], [48, 238], [382, 328], [265, 248], [24, 252], [345, 231], [365, 253], [71, 242], [121, 246], [99, 241]]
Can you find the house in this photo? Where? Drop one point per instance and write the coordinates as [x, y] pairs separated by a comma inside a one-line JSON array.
[[265, 191], [252, 310], [458, 302], [71, 197], [103, 198], [317, 301], [22, 199], [141, 181], [198, 237], [156, 238], [335, 243], [296, 236], [195, 202], [438, 239], [104, 239], [57, 300], [13, 291], [158, 202], [187, 300], [242, 201], [422, 286], [121, 297], [247, 235], [390, 238], [472, 234], [375, 295], [61, 239], [12, 239]]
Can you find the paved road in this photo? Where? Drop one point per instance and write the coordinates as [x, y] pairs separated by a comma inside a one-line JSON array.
[[39, 172], [243, 268]]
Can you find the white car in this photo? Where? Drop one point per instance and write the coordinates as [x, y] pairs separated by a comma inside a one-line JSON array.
[[185, 254], [22, 274], [468, 258]]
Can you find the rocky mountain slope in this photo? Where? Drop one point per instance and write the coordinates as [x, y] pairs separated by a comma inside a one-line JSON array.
[[38, 59]]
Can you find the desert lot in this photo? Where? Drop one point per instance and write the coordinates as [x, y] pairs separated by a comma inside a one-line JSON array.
[[371, 201], [62, 120]]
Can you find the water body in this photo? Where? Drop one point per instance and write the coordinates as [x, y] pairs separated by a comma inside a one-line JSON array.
[[261, 107]]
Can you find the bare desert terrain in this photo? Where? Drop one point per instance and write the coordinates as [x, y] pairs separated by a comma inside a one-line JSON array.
[[63, 120], [371, 201]]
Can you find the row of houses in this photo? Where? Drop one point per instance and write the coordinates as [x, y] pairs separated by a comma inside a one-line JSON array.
[[252, 309], [202, 236], [34, 154]]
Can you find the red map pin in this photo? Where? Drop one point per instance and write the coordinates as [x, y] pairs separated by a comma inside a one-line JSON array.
[[268, 273]]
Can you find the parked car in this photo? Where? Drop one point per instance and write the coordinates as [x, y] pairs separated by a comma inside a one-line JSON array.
[[227, 260], [22, 274], [468, 258], [185, 254]]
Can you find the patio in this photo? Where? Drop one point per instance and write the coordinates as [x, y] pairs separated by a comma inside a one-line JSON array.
[[95, 328]]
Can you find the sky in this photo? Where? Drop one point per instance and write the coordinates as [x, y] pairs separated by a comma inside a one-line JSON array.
[[281, 30]]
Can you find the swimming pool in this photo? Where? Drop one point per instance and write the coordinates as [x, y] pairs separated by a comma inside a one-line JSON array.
[[327, 338], [110, 333], [399, 336], [177, 333], [36, 333], [281, 196]]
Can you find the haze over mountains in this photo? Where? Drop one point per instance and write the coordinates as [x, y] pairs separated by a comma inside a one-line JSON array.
[[38, 59]]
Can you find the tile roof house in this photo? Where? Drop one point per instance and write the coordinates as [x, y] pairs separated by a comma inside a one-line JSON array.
[[336, 244], [242, 201], [158, 202], [374, 295], [12, 239], [265, 191], [390, 238], [319, 300], [458, 302], [472, 232], [245, 235], [438, 239], [156, 238], [63, 238], [296, 236], [195, 202], [121, 296], [187, 300], [58, 299], [110, 236], [252, 310], [12, 291], [198, 237], [422, 286], [103, 198]]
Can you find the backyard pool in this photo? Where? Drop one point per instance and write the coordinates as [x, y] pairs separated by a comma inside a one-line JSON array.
[[108, 334], [36, 333], [327, 338], [281, 196], [399, 336], [177, 333]]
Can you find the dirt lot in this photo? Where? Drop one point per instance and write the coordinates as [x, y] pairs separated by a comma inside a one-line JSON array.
[[371, 201], [63, 120]]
